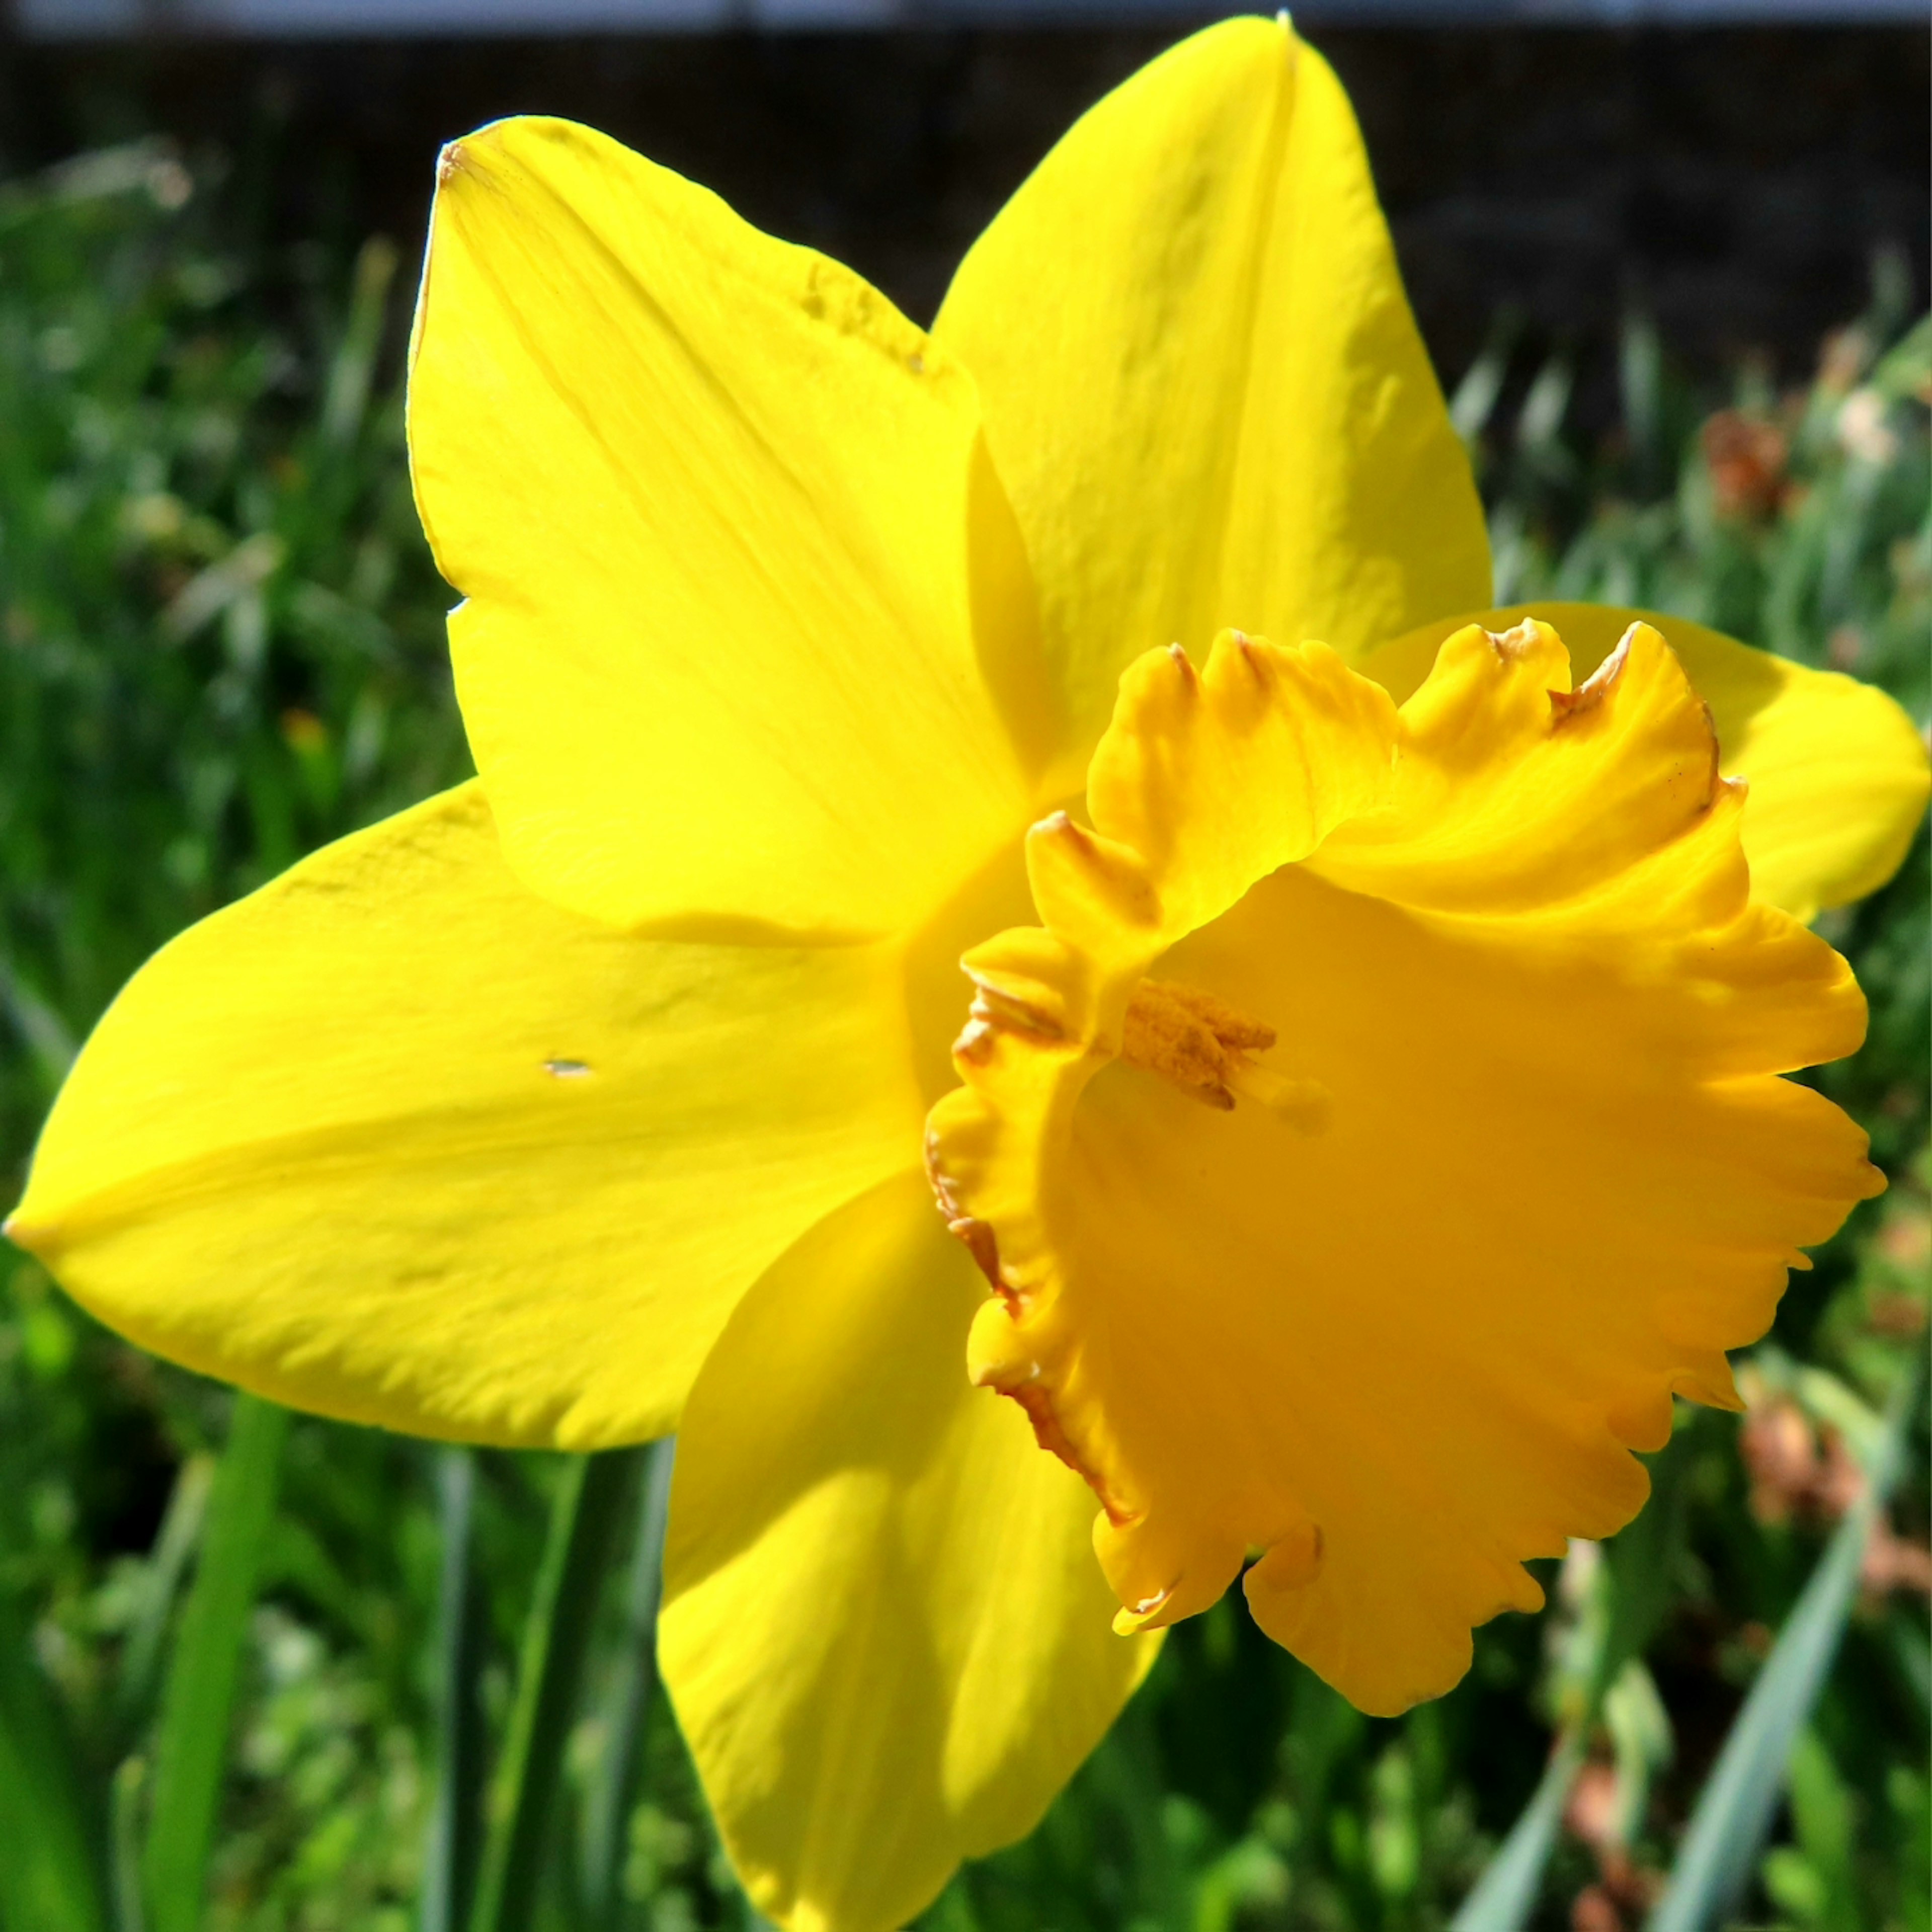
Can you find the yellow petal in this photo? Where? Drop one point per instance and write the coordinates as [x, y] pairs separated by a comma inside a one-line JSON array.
[[395, 1140], [1202, 385], [1494, 1159], [710, 499], [883, 1632], [1838, 775]]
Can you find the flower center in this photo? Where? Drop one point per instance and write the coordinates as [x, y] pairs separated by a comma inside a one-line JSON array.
[[1509, 928], [1206, 1047]]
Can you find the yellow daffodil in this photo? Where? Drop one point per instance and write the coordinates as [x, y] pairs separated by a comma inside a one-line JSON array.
[[1371, 1111]]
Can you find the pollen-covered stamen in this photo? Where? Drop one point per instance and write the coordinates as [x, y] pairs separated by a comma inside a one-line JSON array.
[[1203, 1045], [1191, 1038]]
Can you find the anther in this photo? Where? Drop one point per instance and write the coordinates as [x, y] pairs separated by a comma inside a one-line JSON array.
[[1205, 1047], [1192, 1039]]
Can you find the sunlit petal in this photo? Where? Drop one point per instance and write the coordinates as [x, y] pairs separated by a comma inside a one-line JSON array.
[[395, 1140], [1838, 775], [746, 610], [1493, 1159], [1202, 384], [885, 1635]]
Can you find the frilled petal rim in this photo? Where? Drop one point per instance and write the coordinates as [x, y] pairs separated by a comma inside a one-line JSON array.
[[1495, 1158], [1838, 774]]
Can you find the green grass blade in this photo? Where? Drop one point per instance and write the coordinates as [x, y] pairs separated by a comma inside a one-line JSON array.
[[608, 1814], [198, 1698], [1506, 1893], [47, 1861], [593, 1499], [142, 1656], [129, 1787], [1720, 1850], [1639, 1562], [456, 1830], [1643, 1559], [346, 399], [1127, 1769]]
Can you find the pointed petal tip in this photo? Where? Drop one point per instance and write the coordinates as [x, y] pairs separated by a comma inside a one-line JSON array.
[[35, 1237], [1154, 1612], [251, 1168], [577, 285]]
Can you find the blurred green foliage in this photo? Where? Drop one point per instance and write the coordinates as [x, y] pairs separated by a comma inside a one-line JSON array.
[[220, 643], [223, 635]]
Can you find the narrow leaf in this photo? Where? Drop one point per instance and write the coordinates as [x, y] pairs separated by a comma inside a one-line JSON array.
[[198, 1699], [593, 1499], [1638, 1568], [1643, 1559], [456, 1828], [1506, 1893], [1720, 1851], [346, 400], [607, 1815], [46, 1868], [130, 1784], [141, 1657]]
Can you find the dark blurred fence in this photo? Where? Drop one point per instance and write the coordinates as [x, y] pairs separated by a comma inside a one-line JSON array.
[[327, 18], [1733, 181]]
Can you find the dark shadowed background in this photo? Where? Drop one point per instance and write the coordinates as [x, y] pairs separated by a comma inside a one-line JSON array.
[[1734, 182]]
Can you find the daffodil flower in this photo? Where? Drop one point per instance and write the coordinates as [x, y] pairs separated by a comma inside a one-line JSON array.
[[1370, 1047]]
